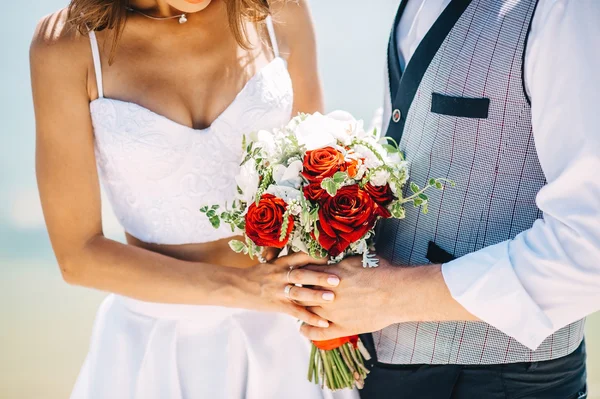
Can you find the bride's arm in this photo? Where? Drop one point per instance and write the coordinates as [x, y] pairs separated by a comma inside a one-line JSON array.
[[70, 195], [296, 37]]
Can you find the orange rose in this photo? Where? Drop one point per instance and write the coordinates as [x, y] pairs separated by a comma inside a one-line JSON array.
[[321, 163], [352, 168], [264, 221]]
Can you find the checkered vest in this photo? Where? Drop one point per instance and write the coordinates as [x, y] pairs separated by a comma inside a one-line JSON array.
[[460, 112]]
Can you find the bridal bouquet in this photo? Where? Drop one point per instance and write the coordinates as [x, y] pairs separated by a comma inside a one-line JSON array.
[[319, 185]]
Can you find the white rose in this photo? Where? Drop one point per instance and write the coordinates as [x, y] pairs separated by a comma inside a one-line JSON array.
[[248, 180], [288, 194], [294, 122], [370, 159], [266, 141], [362, 169], [344, 127], [380, 178], [394, 158], [314, 133], [288, 176]]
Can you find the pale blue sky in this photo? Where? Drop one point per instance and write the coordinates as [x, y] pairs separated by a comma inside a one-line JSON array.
[[51, 322], [352, 39]]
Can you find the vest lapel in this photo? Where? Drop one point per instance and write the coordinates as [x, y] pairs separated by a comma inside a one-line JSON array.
[[404, 86]]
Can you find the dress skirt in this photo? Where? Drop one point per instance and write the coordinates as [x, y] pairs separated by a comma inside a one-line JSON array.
[[143, 350]]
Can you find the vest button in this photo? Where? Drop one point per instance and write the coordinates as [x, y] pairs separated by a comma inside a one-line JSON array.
[[396, 115]]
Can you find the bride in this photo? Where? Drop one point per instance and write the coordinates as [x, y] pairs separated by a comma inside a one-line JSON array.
[[151, 99]]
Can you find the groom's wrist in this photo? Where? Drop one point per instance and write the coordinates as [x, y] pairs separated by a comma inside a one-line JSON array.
[[423, 296], [413, 293]]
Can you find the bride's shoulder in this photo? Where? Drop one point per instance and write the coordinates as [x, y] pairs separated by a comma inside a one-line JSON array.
[[56, 40], [293, 24]]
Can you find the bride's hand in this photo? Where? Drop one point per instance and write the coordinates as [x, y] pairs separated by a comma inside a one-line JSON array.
[[268, 282]]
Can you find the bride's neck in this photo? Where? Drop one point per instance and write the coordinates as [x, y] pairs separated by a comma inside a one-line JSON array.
[[158, 8]]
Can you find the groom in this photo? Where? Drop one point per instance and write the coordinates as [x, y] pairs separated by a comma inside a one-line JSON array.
[[494, 283]]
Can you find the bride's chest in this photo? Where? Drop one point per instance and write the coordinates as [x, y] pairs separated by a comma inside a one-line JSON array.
[[144, 150]]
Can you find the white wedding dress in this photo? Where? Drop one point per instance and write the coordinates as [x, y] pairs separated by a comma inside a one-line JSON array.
[[157, 174]]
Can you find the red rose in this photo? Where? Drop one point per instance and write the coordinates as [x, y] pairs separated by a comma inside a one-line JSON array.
[[264, 222], [347, 217], [383, 195], [321, 163], [314, 192]]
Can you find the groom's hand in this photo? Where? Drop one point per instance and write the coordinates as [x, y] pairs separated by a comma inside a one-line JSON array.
[[366, 300]]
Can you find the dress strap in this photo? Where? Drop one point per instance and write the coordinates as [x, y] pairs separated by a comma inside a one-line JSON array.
[[272, 37], [97, 63]]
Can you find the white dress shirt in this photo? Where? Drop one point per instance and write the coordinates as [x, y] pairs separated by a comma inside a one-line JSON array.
[[548, 276]]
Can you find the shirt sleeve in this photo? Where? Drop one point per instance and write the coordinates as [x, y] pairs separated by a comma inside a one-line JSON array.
[[549, 276]]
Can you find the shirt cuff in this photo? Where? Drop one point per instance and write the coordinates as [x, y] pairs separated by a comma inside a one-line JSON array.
[[485, 284]]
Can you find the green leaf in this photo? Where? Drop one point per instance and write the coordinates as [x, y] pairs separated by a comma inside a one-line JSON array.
[[211, 213], [215, 221], [314, 215], [423, 197], [413, 187], [251, 247], [330, 186], [432, 182], [316, 231], [340, 177], [417, 202], [397, 210], [284, 225], [204, 209], [390, 148], [394, 142], [215, 207], [425, 209], [238, 246], [439, 185]]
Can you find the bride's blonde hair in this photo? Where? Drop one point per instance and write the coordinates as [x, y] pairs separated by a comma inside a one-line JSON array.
[[88, 15]]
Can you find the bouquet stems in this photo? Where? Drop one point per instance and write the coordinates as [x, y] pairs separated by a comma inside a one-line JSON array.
[[339, 368]]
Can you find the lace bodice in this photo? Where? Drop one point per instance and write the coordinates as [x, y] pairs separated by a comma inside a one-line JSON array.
[[158, 173]]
